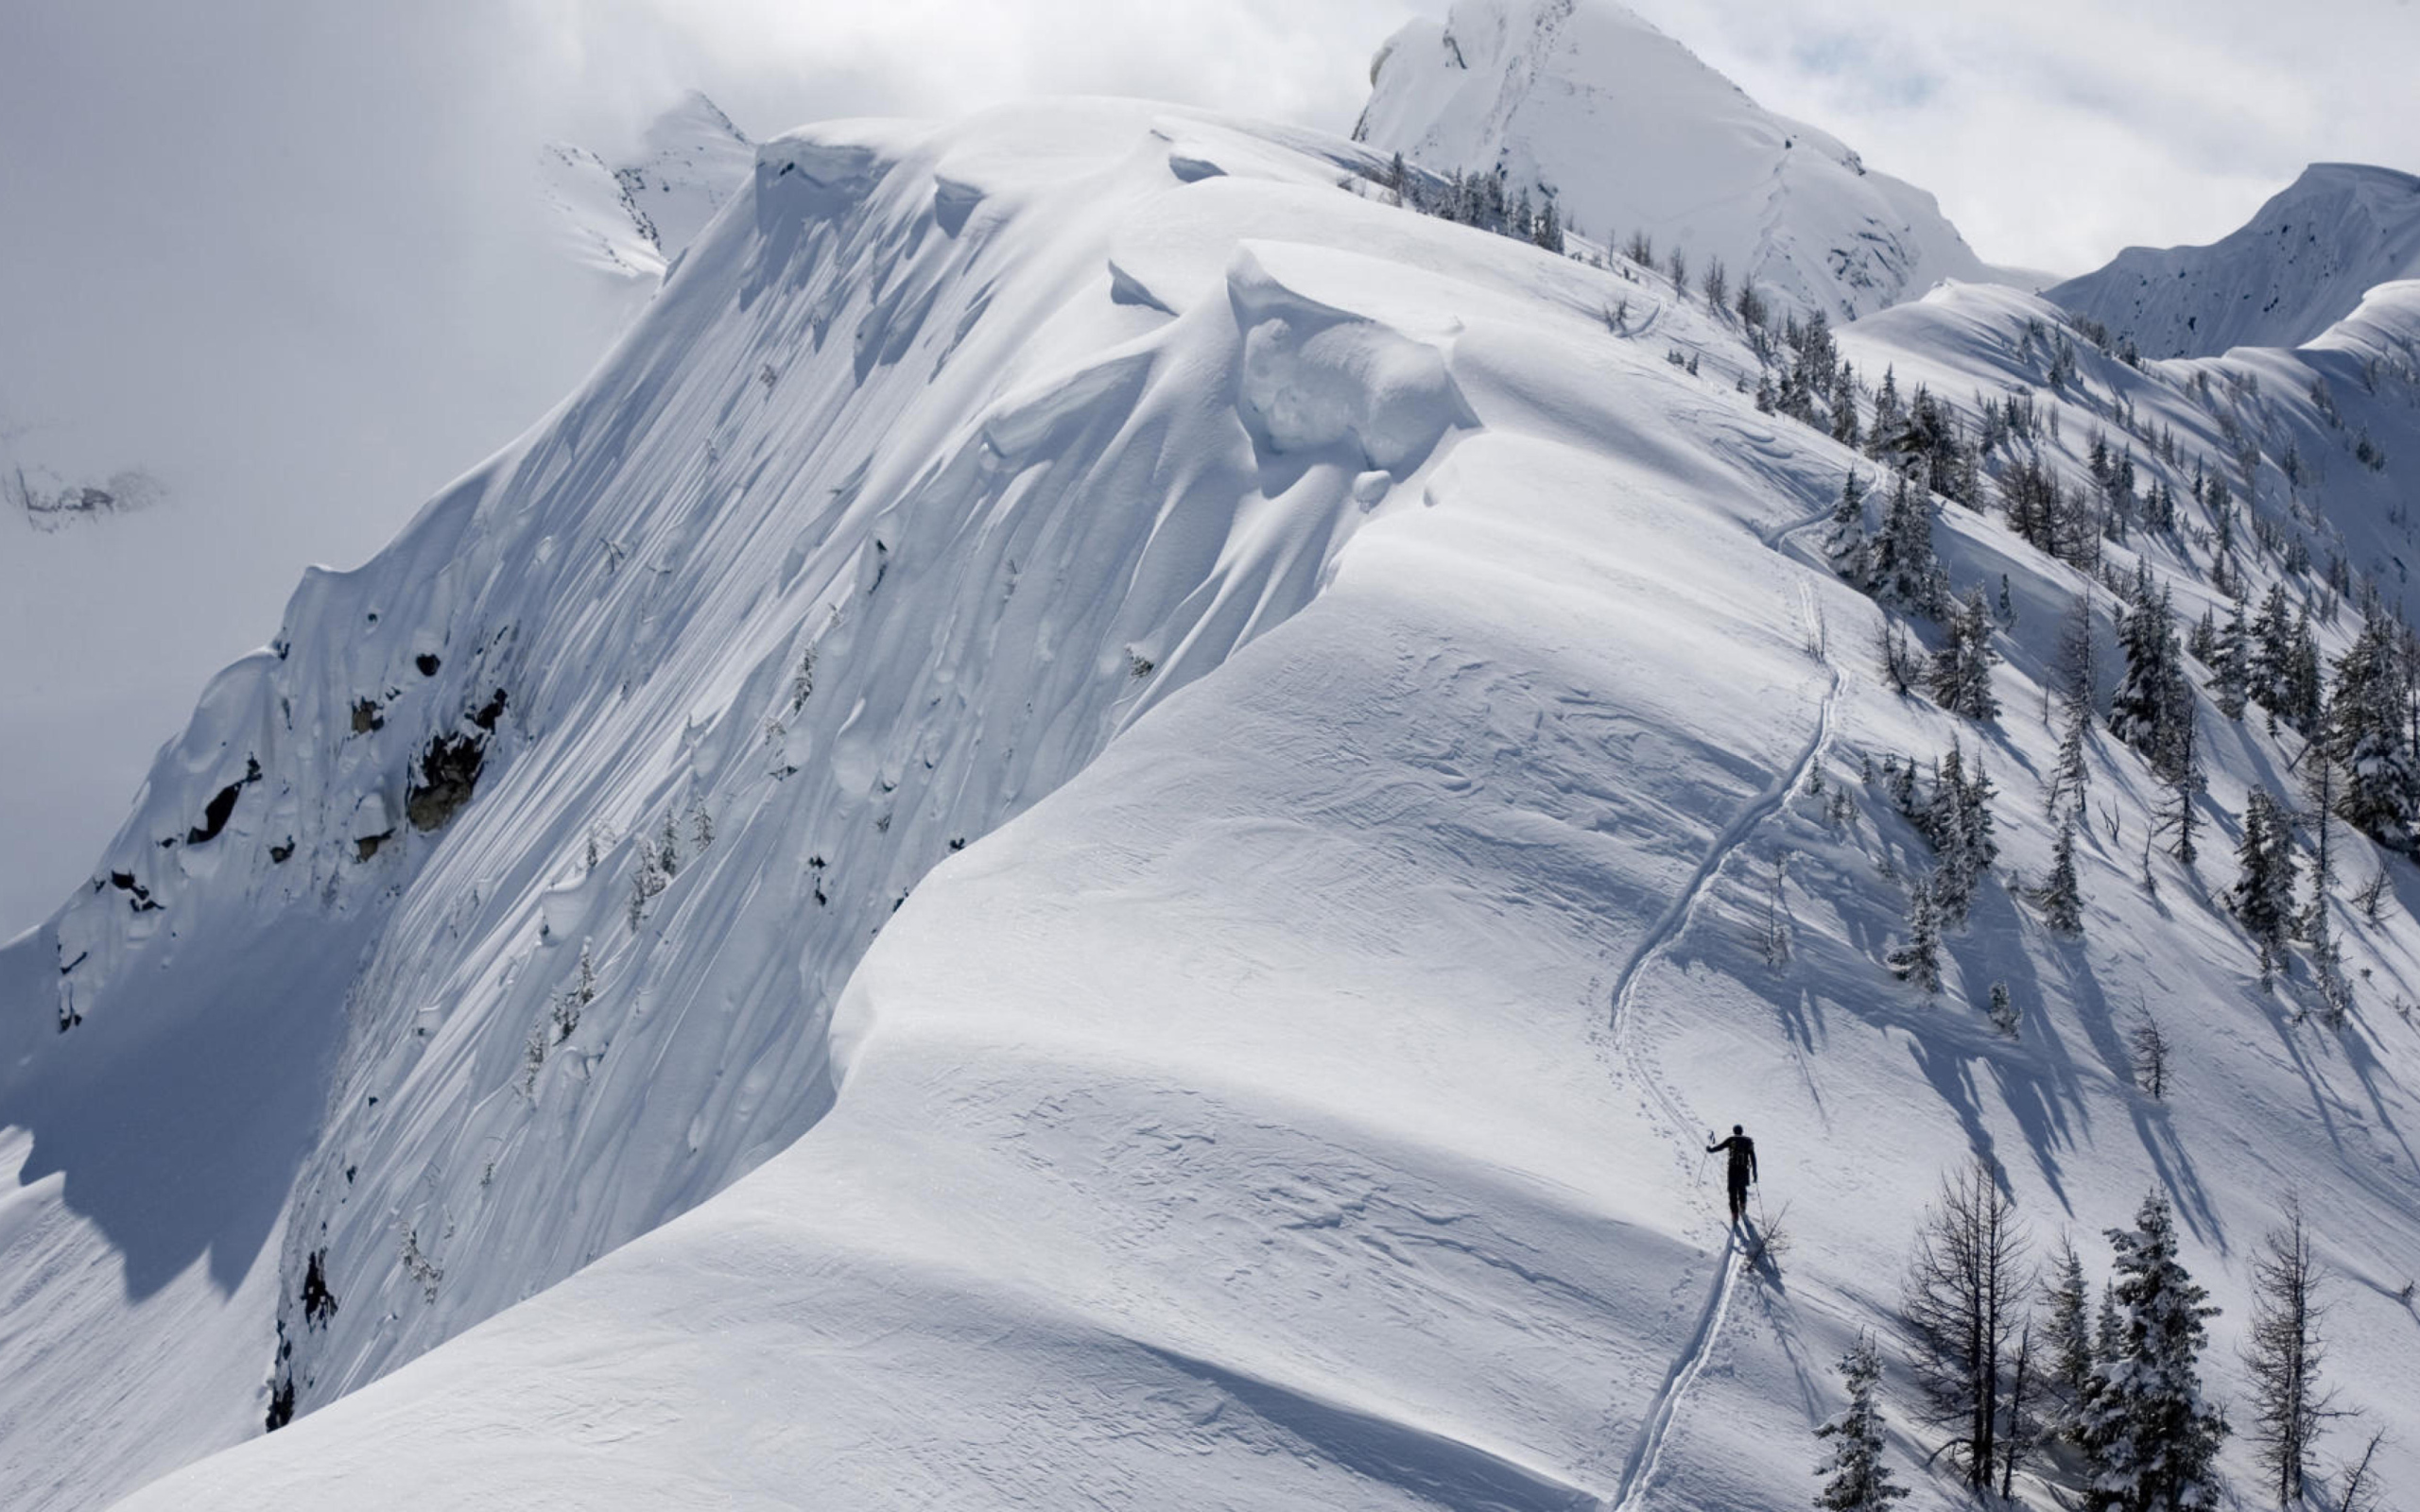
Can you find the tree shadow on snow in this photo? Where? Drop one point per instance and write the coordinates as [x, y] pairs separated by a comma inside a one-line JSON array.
[[2152, 1127]]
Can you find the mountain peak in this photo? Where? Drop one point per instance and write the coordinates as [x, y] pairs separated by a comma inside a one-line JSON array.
[[1628, 131], [630, 220], [2297, 267]]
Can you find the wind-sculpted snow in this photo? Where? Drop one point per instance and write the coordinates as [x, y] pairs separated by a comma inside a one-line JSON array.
[[1629, 132], [869, 536], [2294, 269], [1273, 765]]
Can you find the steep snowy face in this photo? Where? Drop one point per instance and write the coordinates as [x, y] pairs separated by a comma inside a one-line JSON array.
[[2295, 268], [493, 914], [629, 220], [1118, 815], [1305, 1104], [1629, 132]]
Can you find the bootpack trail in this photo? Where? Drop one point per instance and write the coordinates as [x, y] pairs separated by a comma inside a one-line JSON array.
[[1639, 1471]]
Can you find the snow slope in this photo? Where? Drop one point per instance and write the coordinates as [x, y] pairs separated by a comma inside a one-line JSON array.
[[2294, 269], [629, 221], [1246, 780], [1630, 132]]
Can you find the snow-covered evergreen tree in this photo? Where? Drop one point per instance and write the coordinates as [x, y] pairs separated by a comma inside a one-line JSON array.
[[2061, 896], [2070, 774], [2068, 1340], [1857, 1480], [2151, 1443], [1960, 678], [1957, 820], [1905, 574], [2272, 652], [1918, 961], [2230, 661], [2178, 813], [2368, 735], [2153, 699], [2263, 896], [1845, 545]]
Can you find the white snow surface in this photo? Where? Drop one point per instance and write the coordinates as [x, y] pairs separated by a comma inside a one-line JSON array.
[[1628, 131], [629, 221], [1247, 740], [2298, 267]]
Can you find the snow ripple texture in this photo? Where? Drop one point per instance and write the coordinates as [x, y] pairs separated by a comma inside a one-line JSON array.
[[1109, 714]]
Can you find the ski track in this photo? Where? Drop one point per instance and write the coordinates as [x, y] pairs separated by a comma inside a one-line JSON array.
[[1639, 1471], [1646, 1455]]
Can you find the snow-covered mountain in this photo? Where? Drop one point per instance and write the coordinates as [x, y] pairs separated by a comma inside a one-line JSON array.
[[2294, 269], [629, 221], [1101, 824], [1629, 132]]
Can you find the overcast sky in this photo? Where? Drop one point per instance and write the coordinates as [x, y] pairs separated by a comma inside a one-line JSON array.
[[289, 256]]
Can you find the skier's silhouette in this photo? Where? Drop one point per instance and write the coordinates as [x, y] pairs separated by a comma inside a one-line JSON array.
[[1744, 1168]]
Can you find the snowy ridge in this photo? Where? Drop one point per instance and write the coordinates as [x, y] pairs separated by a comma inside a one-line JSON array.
[[1409, 756], [631, 220], [2294, 269], [1629, 132], [635, 636]]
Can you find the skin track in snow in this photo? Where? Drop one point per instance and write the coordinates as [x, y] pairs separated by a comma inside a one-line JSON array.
[[1037, 922]]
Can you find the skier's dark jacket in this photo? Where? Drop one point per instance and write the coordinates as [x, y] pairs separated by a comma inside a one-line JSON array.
[[1743, 1157]]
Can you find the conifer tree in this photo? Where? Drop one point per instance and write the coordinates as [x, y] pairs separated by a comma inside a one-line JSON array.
[[1844, 425], [2178, 813], [2153, 699], [2306, 690], [1906, 574], [2263, 896], [2231, 662], [2150, 1440], [1947, 826], [2060, 897], [1960, 678], [2003, 1012], [1957, 820], [2070, 774], [2272, 654], [1918, 961], [1844, 541], [1547, 231], [2283, 1353], [1889, 419], [2068, 1329], [1857, 1479], [2368, 735], [1962, 1304], [2076, 670]]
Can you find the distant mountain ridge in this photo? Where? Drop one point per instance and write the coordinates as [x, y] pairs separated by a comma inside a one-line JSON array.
[[2298, 267], [1628, 131], [632, 219]]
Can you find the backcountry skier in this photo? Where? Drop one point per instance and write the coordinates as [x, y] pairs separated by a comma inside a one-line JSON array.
[[1743, 1167]]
